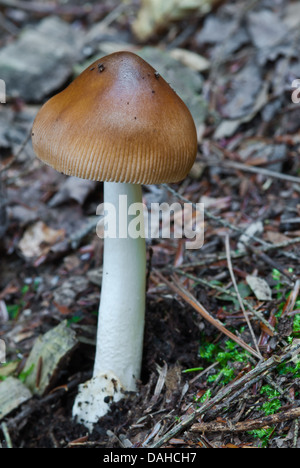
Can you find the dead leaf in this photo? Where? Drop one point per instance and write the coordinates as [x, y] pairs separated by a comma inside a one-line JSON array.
[[229, 126], [191, 59], [266, 28], [64, 296], [276, 237], [260, 288], [38, 239], [64, 310], [156, 14], [22, 214], [73, 189], [254, 229]]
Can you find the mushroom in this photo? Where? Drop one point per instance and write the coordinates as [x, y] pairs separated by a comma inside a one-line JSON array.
[[118, 122]]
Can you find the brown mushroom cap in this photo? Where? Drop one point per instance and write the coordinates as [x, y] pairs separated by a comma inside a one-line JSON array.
[[118, 121]]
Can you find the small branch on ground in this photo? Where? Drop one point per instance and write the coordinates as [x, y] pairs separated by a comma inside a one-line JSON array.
[[230, 268], [250, 425]]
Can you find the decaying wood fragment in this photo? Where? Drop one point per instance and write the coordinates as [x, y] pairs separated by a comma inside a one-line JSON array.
[[12, 394], [46, 357]]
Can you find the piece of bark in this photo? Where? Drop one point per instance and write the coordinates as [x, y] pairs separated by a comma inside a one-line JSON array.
[[47, 356], [12, 394]]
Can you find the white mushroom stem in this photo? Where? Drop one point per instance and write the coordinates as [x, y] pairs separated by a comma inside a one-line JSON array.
[[122, 309], [122, 306]]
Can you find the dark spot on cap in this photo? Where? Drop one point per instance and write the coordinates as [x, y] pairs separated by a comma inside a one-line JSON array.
[[157, 75], [101, 67]]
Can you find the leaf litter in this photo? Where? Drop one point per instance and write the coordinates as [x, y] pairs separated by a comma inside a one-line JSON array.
[[199, 386]]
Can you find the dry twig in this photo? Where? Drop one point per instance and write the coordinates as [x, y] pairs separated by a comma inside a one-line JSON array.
[[227, 245], [249, 425], [255, 170]]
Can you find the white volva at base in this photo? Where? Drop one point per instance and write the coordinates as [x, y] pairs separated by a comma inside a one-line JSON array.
[[95, 397]]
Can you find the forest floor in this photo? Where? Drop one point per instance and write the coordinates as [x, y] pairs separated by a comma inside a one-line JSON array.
[[220, 365]]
